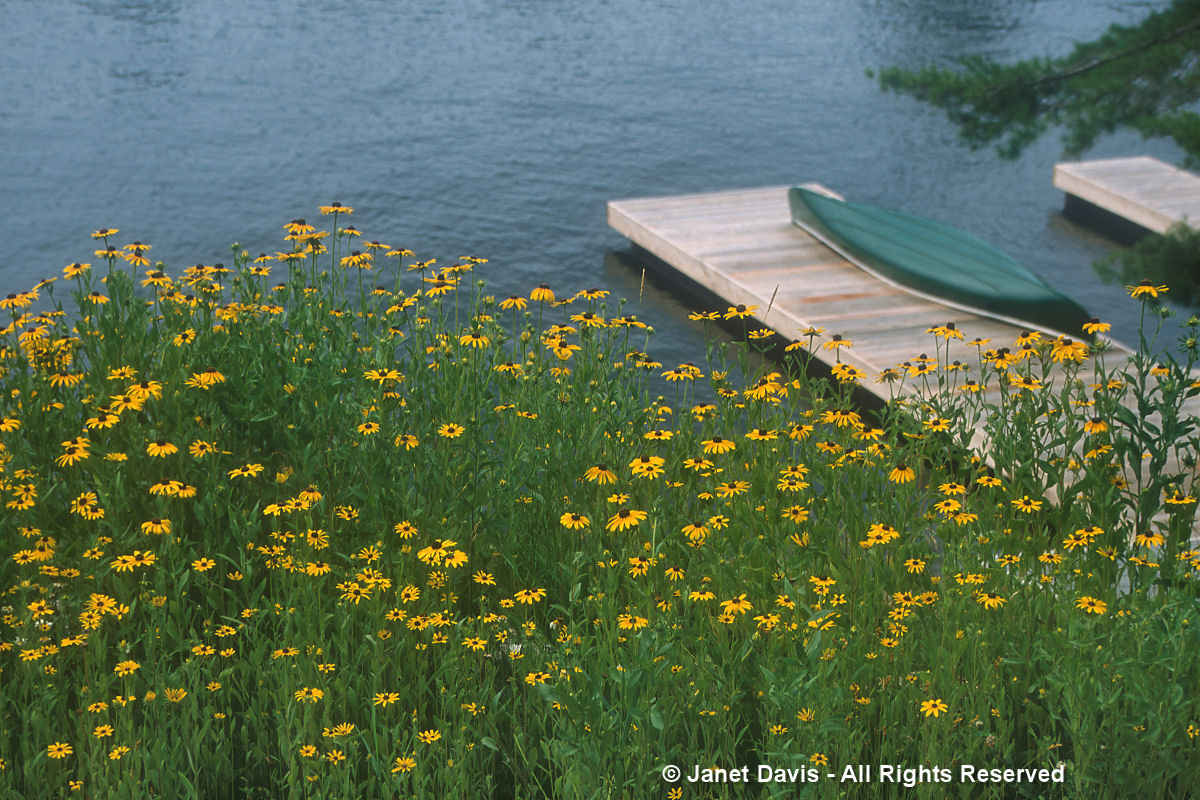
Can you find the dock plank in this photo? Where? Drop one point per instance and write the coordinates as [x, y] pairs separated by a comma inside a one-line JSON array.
[[1142, 189]]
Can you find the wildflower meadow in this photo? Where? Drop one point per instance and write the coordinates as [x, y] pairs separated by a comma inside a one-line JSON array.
[[335, 522]]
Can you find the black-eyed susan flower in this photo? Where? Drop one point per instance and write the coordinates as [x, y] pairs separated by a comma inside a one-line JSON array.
[[203, 564], [990, 600], [600, 474], [740, 311], [574, 521], [542, 294], [846, 373], [1026, 505], [836, 343], [451, 430], [902, 473], [1149, 539], [530, 596], [630, 622], [1091, 605], [718, 445], [161, 448], [126, 668], [732, 488], [946, 332], [647, 466], [934, 706], [59, 750], [475, 340], [72, 455], [1145, 288], [795, 513], [625, 519], [737, 605]]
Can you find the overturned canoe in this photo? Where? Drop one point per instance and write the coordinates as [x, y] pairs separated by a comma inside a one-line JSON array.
[[937, 261]]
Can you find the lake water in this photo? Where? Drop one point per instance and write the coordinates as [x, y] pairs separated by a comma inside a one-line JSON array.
[[499, 128]]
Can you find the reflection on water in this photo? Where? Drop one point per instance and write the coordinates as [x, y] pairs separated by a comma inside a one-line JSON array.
[[149, 12], [500, 128]]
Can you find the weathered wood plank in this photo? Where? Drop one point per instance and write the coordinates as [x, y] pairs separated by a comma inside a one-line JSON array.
[[1146, 191]]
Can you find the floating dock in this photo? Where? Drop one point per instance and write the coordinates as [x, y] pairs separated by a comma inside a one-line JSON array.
[[743, 247], [1144, 191]]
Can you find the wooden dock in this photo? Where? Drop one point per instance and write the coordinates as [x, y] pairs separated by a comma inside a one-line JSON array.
[[1148, 192], [743, 247]]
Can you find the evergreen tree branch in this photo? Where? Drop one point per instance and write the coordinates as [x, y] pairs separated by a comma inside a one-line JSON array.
[[1143, 78]]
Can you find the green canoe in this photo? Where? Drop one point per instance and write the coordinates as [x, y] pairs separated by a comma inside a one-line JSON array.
[[937, 261]]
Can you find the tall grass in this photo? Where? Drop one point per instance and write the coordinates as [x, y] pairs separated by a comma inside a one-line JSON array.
[[337, 523]]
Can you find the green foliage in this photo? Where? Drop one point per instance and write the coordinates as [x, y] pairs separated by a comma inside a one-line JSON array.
[[395, 567], [1141, 77], [1172, 259]]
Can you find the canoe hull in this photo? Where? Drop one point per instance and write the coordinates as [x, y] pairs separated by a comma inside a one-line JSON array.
[[937, 261]]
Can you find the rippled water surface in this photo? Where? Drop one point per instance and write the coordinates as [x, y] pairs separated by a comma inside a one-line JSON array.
[[500, 128]]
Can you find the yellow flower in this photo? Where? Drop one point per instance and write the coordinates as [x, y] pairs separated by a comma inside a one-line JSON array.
[[308, 695], [628, 622], [1027, 505], [530, 596], [126, 668], [836, 343], [1145, 289], [934, 707], [739, 311], [1091, 605], [59, 750], [404, 764], [600, 474], [647, 466], [474, 339], [718, 445], [738, 605], [451, 431], [990, 600], [624, 519], [385, 699], [574, 521]]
